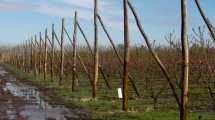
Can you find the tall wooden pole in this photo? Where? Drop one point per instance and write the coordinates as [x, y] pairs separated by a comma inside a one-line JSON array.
[[52, 54], [16, 52], [23, 56], [185, 64], [28, 44], [154, 54], [32, 53], [74, 82], [126, 56], [118, 56], [206, 20], [26, 56], [35, 55], [62, 53], [96, 51], [40, 53], [91, 52], [45, 55]]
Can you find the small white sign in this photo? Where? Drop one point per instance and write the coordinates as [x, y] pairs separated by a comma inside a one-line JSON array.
[[119, 93]]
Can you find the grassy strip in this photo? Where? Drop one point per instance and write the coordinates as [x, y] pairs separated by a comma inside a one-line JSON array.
[[105, 109]]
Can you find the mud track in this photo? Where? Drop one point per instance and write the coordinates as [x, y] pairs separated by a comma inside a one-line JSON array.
[[23, 100]]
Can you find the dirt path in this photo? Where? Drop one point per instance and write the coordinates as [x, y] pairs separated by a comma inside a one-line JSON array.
[[19, 101]]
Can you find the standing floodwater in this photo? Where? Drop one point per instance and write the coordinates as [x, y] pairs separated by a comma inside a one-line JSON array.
[[19, 101]]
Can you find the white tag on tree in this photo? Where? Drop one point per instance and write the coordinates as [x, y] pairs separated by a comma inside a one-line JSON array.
[[119, 93]]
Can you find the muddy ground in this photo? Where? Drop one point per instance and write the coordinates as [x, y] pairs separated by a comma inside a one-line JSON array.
[[21, 100]]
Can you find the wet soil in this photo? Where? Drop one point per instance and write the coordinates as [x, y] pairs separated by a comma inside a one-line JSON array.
[[22, 100]]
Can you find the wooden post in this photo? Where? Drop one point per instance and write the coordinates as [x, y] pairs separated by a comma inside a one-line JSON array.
[[26, 56], [74, 82], [185, 64], [23, 56], [16, 52], [126, 57], [206, 20], [62, 53], [35, 55], [154, 54], [45, 55], [118, 56], [96, 51], [79, 59], [32, 53], [91, 52], [28, 44], [40, 52], [52, 54]]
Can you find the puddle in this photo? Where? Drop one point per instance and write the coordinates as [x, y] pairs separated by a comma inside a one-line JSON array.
[[34, 106], [2, 72], [11, 111]]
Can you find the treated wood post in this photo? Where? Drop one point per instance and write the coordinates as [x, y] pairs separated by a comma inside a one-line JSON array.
[[185, 64], [79, 59], [28, 45], [32, 53], [35, 55], [74, 80], [26, 56], [52, 54], [62, 53], [96, 51], [126, 57], [23, 55], [16, 52], [118, 56], [154, 54], [40, 52], [91, 52], [45, 55], [206, 20]]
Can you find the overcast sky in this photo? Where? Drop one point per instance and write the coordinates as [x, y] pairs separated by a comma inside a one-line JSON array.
[[20, 19]]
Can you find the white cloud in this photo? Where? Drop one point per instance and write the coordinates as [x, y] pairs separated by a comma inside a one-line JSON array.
[[12, 5], [79, 3], [110, 11], [59, 10]]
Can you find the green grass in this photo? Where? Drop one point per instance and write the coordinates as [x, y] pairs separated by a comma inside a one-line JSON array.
[[150, 116], [108, 108]]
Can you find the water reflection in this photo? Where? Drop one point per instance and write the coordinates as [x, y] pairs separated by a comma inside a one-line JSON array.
[[35, 107], [30, 94]]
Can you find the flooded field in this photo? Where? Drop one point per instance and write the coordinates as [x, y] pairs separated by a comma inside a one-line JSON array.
[[19, 101]]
